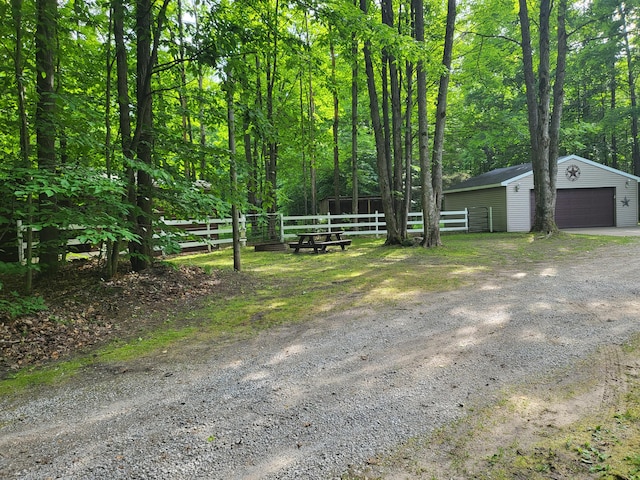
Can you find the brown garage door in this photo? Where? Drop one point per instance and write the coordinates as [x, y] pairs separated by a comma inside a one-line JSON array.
[[583, 207]]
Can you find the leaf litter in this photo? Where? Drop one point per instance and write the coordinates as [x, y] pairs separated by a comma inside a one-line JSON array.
[[85, 312]]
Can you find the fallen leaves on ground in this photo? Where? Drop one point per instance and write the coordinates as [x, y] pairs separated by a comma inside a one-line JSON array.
[[84, 311]]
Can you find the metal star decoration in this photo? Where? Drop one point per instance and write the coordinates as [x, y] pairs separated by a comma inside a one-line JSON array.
[[573, 172], [625, 202]]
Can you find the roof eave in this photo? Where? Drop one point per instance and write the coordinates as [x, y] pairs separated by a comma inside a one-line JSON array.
[[516, 178], [479, 187]]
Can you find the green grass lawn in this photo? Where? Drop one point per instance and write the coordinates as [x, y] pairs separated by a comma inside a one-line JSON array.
[[294, 287]]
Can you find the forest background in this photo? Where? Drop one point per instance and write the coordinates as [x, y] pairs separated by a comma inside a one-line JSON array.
[[116, 110]]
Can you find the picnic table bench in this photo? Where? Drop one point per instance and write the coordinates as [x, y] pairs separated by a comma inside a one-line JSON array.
[[319, 241]]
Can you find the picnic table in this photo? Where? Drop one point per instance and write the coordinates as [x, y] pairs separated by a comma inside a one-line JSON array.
[[319, 241]]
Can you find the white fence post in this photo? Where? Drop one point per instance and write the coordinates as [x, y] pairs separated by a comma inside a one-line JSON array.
[[243, 230], [377, 224], [281, 227], [208, 237], [329, 221]]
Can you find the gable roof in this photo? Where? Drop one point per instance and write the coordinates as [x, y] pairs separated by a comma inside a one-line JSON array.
[[501, 177], [494, 178]]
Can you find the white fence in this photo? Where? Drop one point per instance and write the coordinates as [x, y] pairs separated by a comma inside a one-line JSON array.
[[368, 224], [199, 234], [206, 234]]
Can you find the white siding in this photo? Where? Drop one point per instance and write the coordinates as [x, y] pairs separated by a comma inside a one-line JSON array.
[[518, 203], [592, 175]]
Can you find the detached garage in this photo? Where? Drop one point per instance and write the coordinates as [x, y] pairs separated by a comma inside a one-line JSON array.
[[589, 195]]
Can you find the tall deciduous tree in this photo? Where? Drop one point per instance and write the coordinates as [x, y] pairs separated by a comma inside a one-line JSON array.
[[382, 158], [433, 236], [25, 144], [335, 126], [544, 119], [354, 121], [635, 152], [423, 132], [233, 172], [46, 121], [142, 251]]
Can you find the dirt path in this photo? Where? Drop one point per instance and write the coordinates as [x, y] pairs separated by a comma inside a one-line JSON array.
[[329, 396]]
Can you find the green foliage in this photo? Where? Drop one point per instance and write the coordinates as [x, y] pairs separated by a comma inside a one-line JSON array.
[[289, 47], [17, 305], [182, 199], [73, 196]]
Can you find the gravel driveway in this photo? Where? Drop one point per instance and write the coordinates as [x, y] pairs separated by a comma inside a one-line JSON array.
[[308, 401]]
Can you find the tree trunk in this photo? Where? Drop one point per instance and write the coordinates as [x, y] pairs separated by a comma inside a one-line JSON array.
[[303, 149], [312, 150], [252, 180], [146, 56], [271, 167], [393, 235], [441, 118], [142, 251], [354, 123], [112, 247], [46, 25], [25, 145], [423, 132], [312, 127], [395, 158], [124, 121], [558, 98], [544, 136], [203, 132], [16, 6], [251, 157], [336, 121], [408, 146], [614, 140], [635, 149], [187, 134], [231, 126]]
